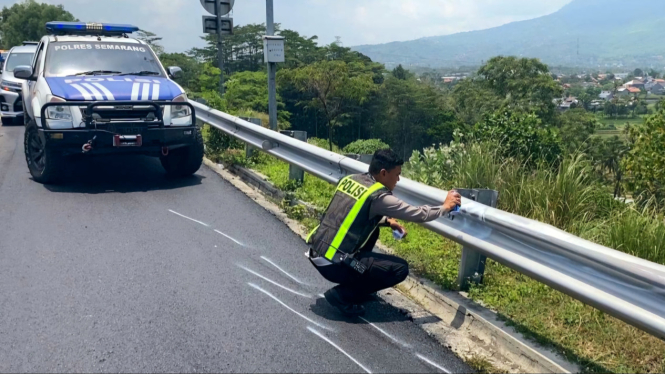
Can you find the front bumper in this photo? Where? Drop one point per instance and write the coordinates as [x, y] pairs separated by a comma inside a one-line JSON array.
[[106, 134], [153, 141], [11, 104]]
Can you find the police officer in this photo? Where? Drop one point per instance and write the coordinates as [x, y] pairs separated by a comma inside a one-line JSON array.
[[341, 246]]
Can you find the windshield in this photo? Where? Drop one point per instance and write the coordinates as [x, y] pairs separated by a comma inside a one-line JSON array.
[[69, 58], [18, 59]]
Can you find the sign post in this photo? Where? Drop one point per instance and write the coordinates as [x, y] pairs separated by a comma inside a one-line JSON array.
[[273, 51], [219, 26]]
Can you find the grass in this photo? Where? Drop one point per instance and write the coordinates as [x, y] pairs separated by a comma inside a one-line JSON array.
[[567, 199]]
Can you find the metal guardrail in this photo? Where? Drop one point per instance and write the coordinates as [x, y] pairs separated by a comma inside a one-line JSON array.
[[627, 287]]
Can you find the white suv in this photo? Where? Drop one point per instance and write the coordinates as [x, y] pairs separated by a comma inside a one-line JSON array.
[[92, 89], [11, 104]]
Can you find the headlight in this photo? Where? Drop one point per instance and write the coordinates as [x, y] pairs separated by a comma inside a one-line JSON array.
[[58, 112], [180, 111]]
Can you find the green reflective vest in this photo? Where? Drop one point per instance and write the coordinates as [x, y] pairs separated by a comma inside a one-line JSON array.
[[346, 224]]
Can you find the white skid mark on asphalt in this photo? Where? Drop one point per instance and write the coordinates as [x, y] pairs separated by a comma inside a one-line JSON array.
[[237, 242], [273, 282], [288, 307], [338, 348], [386, 334], [191, 219], [280, 269], [432, 363]]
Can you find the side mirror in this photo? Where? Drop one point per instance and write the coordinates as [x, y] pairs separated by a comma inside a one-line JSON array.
[[23, 72], [174, 72]]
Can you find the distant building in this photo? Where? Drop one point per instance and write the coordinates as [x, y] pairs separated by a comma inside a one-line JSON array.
[[568, 103], [627, 91], [658, 88], [635, 83], [606, 95], [621, 75]]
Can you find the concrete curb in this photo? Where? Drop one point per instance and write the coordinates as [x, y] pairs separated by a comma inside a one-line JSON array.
[[465, 327]]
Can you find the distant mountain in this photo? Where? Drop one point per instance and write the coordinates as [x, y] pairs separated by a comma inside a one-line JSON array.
[[631, 32]]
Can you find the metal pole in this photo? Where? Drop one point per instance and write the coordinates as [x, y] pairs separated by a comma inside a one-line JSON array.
[[272, 67], [220, 53]]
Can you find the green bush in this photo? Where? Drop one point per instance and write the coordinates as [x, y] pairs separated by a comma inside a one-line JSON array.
[[216, 142], [323, 143], [365, 147], [521, 135]]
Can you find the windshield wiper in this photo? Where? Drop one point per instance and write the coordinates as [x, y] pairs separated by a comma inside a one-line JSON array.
[[143, 72], [96, 72]]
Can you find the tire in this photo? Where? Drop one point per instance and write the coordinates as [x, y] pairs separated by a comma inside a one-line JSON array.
[[185, 161], [46, 166]]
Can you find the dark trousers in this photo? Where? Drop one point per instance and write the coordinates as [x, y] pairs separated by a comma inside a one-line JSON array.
[[383, 271]]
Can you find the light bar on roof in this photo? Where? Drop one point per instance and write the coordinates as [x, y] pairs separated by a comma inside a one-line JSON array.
[[89, 28]]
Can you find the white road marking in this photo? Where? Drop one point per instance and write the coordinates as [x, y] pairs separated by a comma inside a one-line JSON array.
[[273, 282], [432, 363], [338, 348], [109, 95], [280, 269], [322, 295], [386, 334], [237, 242], [288, 307], [191, 219], [86, 94]]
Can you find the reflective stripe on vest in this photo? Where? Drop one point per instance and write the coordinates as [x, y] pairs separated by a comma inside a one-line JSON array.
[[360, 193]]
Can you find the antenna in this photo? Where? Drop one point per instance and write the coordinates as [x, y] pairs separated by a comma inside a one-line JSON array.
[[338, 41]]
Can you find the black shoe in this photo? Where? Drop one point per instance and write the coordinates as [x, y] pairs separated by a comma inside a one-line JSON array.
[[350, 310]]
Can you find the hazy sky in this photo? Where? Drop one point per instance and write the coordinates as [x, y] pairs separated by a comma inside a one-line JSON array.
[[355, 21]]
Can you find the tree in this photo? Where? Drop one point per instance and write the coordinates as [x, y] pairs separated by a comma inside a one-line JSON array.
[[577, 125], [26, 20], [152, 40], [522, 83], [333, 87], [249, 90], [645, 162], [638, 73], [191, 69], [400, 73], [521, 135]]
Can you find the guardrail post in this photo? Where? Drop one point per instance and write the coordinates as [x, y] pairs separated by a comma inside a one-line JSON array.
[[472, 265], [296, 173], [249, 149]]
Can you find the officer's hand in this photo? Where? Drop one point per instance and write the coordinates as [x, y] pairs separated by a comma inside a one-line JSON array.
[[453, 199], [394, 225]]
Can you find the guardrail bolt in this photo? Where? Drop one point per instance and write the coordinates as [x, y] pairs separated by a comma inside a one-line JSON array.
[[472, 265]]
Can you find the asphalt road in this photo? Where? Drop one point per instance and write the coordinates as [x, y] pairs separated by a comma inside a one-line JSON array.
[[109, 273]]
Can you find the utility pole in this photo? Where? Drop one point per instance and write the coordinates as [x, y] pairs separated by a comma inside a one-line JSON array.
[[272, 67], [220, 53]]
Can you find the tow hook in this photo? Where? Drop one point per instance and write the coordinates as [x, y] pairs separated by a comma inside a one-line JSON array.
[[165, 151], [87, 147]]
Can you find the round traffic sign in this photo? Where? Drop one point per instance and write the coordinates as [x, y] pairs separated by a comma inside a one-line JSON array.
[[225, 6]]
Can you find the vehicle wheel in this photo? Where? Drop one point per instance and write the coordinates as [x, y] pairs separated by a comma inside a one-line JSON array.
[[183, 162], [46, 166]]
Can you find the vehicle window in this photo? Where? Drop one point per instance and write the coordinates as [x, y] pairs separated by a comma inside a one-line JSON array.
[[38, 60], [70, 58], [18, 59]]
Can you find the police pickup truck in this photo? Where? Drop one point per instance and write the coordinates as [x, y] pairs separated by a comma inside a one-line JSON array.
[[93, 90]]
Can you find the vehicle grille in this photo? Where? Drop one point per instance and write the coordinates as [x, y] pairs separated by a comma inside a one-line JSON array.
[[109, 114]]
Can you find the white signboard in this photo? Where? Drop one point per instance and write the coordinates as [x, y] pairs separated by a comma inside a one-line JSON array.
[[273, 48]]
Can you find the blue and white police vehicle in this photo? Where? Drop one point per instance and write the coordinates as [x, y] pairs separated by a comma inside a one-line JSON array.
[[92, 89]]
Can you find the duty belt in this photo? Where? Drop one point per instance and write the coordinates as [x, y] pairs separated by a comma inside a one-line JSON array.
[[337, 258]]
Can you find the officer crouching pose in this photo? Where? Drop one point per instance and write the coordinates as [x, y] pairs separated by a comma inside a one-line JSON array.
[[341, 246]]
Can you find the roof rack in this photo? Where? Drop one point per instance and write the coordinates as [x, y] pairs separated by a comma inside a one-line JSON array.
[[82, 28], [30, 43]]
